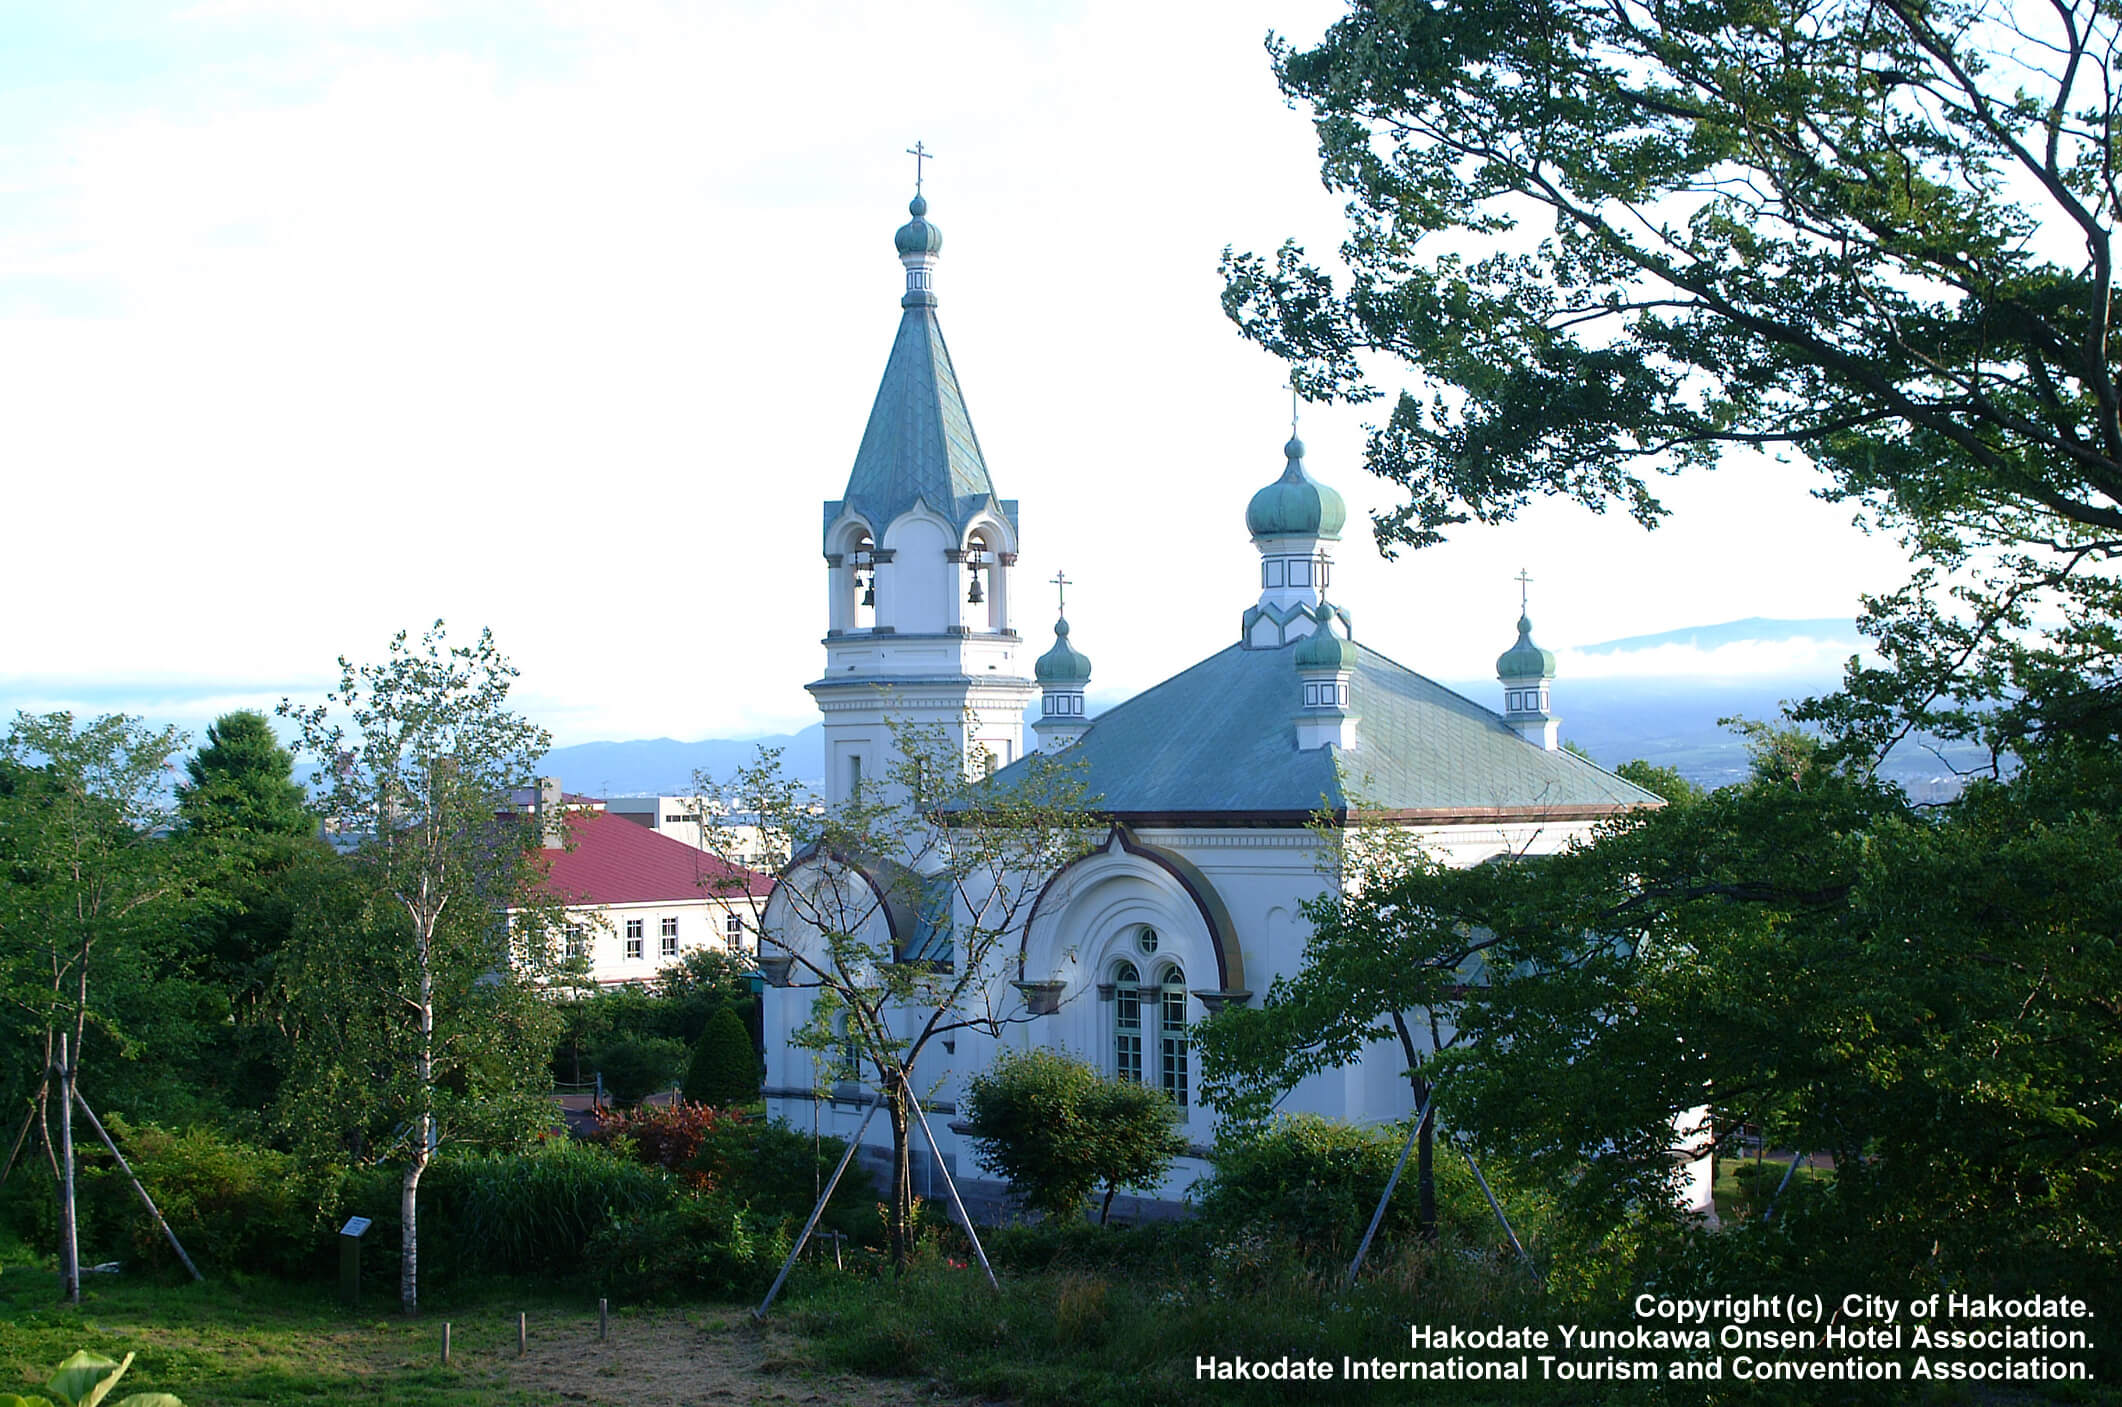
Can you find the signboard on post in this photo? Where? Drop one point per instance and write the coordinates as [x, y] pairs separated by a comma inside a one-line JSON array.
[[350, 1259]]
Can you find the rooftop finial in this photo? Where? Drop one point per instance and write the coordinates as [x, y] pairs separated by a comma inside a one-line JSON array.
[[920, 154], [1291, 387], [1060, 581], [1524, 581]]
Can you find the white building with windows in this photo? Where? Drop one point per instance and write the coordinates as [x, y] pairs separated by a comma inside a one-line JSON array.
[[637, 901], [1206, 784]]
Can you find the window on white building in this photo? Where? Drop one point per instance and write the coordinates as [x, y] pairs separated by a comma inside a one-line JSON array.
[[633, 938], [1127, 1023], [733, 926], [577, 941], [670, 937]]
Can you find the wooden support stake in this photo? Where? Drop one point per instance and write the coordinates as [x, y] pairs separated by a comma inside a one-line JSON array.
[[69, 1227], [522, 1334], [445, 1343], [1355, 1267], [950, 1185], [134, 1179], [819, 1210], [604, 1327]]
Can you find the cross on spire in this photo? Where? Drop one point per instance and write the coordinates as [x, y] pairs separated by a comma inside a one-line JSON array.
[[1523, 581], [1060, 581], [1290, 386], [920, 154]]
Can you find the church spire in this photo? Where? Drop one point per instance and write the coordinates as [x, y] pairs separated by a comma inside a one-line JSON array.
[[1063, 674], [1291, 521], [1525, 671]]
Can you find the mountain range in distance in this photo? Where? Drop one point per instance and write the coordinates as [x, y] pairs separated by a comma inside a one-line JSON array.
[[1658, 698]]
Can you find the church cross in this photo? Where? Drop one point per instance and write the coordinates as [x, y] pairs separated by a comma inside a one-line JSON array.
[[920, 154], [1290, 386], [1060, 581], [1523, 581]]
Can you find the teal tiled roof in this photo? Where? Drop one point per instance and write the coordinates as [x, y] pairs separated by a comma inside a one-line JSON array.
[[1217, 744], [920, 442]]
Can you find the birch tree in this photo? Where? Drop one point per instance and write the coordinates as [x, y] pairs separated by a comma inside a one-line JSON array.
[[412, 995]]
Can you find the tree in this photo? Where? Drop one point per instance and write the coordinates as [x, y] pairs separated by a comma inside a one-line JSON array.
[[1056, 1129], [1878, 235], [87, 888], [246, 826], [725, 1065], [415, 1002], [896, 906]]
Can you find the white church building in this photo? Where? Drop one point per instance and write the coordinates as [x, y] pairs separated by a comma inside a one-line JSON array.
[[1205, 783]]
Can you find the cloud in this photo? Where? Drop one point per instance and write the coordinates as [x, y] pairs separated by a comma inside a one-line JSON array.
[[1797, 657]]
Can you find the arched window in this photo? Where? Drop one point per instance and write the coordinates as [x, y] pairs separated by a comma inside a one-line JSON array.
[[1171, 1035], [1127, 1023], [862, 561]]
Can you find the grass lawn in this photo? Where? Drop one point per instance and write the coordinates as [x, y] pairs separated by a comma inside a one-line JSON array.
[[233, 1345]]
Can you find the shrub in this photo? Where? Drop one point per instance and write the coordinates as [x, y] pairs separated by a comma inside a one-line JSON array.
[[725, 1069], [1057, 1129], [705, 1244], [507, 1213], [233, 1205], [1313, 1181], [777, 1171], [635, 1065], [663, 1136]]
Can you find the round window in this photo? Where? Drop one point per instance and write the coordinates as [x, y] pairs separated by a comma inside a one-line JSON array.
[[1148, 940]]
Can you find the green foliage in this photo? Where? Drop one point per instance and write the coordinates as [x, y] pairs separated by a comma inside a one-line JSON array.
[[1310, 1182], [1605, 243], [1664, 781], [241, 785], [234, 1205], [635, 1066], [87, 1380], [1057, 1130], [528, 1213], [779, 1171], [701, 1245], [415, 1005], [666, 1136], [725, 1067]]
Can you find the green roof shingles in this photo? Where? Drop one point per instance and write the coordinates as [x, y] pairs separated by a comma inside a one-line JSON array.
[[1217, 742], [919, 443]]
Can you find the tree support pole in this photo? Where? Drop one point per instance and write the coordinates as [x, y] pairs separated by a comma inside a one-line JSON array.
[[1795, 1158], [134, 1178], [1497, 1208], [950, 1185], [69, 1228], [1355, 1266], [27, 1120], [819, 1210]]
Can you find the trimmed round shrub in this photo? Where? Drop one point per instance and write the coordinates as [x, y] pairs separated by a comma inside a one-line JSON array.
[[725, 1069]]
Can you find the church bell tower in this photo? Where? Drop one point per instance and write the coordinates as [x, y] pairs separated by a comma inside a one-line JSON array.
[[919, 556]]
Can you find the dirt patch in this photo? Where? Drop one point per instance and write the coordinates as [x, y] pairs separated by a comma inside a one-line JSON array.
[[680, 1358]]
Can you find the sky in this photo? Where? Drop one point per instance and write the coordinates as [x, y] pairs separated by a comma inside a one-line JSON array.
[[320, 320]]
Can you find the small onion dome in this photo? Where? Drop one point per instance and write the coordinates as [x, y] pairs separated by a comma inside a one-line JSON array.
[[1064, 663], [1525, 660], [1295, 505], [1322, 649], [918, 236]]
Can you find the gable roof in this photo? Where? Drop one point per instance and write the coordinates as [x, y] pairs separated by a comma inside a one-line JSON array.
[[616, 861], [1215, 745], [919, 443]]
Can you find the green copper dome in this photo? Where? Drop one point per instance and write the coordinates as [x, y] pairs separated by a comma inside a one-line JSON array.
[[918, 236], [1296, 505], [1322, 649], [1525, 660], [1064, 663]]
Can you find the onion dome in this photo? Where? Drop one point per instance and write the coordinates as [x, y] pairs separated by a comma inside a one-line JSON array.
[[1296, 505], [1525, 660], [1064, 664], [1322, 649], [918, 236]]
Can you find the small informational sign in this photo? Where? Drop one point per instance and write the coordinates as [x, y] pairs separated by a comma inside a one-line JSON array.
[[355, 1225]]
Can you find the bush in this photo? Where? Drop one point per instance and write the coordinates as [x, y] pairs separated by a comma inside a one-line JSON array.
[[725, 1069], [635, 1065], [233, 1205], [705, 1244], [1057, 1130], [777, 1171], [1313, 1181], [507, 1213], [663, 1136]]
